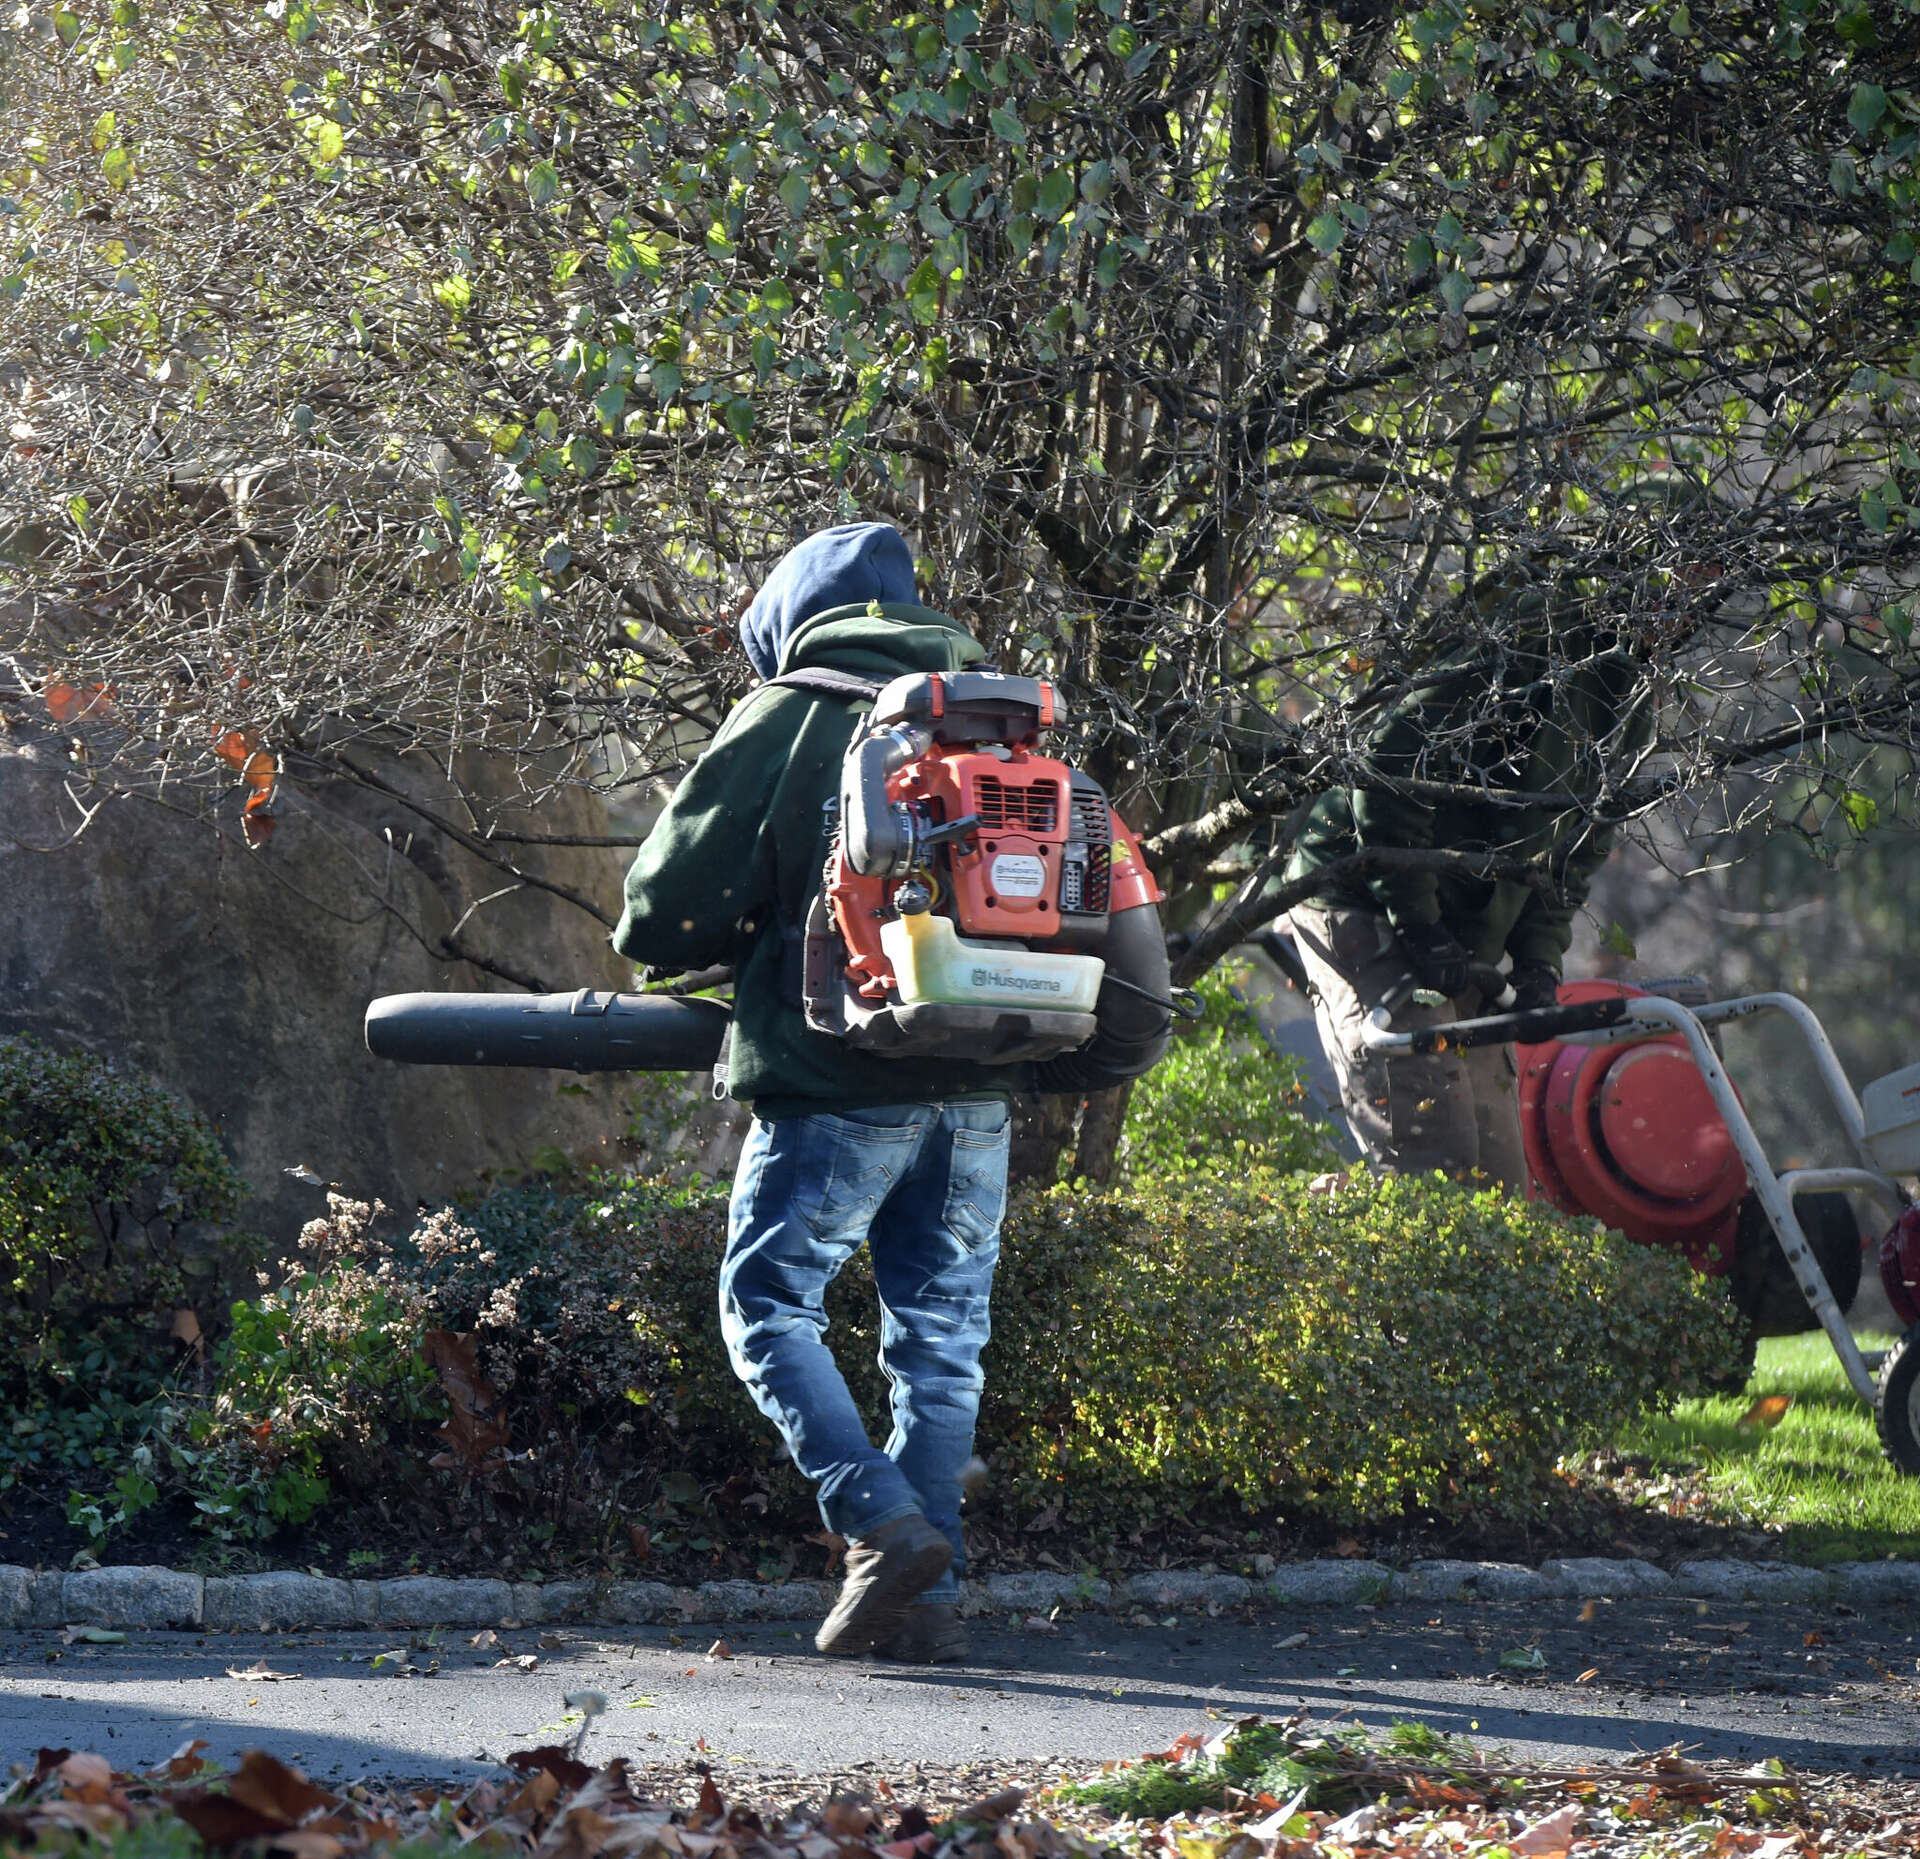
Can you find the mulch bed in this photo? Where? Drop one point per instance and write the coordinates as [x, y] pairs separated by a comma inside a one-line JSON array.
[[429, 1537]]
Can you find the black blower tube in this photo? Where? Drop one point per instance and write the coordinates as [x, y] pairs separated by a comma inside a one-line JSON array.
[[586, 1031], [1135, 1020]]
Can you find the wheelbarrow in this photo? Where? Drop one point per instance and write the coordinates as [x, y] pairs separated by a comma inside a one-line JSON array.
[[1629, 1114]]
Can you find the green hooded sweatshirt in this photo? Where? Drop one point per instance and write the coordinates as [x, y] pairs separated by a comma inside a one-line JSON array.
[[739, 853], [1538, 734]]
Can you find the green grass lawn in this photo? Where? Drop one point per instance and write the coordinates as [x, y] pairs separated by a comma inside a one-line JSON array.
[[1818, 1479]]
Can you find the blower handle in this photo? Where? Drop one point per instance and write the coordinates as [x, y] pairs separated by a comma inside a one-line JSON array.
[[1531, 1028]]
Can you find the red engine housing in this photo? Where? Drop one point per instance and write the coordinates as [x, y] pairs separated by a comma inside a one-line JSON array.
[[1049, 864], [1630, 1134]]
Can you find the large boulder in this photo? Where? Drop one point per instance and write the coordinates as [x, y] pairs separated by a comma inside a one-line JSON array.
[[157, 940]]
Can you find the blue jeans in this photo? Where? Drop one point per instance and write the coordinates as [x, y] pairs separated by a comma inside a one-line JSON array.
[[925, 1186]]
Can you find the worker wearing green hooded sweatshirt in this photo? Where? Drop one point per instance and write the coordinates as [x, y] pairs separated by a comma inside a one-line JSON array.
[[1493, 748], [908, 1156]]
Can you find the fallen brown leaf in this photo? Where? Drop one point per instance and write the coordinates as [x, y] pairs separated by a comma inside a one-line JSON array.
[[475, 1430], [834, 1545], [184, 1762], [1768, 1411], [269, 1786], [553, 1759], [86, 1777], [1551, 1836], [263, 1674], [222, 1821]]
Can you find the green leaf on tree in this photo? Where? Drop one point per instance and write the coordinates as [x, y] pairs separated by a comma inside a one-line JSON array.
[[1056, 192], [1615, 940], [923, 291], [1007, 125], [1325, 233], [1866, 107]]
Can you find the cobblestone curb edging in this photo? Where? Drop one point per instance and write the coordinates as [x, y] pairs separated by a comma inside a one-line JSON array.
[[286, 1600]]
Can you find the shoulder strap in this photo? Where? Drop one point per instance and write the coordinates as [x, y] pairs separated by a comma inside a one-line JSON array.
[[828, 683]]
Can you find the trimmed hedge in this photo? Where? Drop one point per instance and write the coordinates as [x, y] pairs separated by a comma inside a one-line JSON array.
[[1359, 1352], [1384, 1346]]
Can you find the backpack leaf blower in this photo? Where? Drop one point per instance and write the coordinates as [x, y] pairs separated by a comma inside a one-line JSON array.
[[971, 882], [980, 902]]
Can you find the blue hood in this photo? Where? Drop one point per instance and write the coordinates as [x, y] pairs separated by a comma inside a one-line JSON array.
[[848, 565]]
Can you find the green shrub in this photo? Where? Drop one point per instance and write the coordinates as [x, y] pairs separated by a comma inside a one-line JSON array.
[[1395, 1344], [1163, 1349], [1222, 1098], [324, 1387], [320, 1386], [1157, 1352], [113, 1196]]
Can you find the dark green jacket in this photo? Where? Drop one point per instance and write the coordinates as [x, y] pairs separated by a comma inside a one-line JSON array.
[[739, 851], [1464, 723]]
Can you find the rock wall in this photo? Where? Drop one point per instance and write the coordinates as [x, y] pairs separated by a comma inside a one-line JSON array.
[[238, 978]]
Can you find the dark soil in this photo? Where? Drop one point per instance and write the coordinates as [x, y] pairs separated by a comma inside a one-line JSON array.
[[436, 1533]]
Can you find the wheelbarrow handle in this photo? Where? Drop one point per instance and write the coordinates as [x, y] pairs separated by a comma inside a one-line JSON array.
[[1533, 1027]]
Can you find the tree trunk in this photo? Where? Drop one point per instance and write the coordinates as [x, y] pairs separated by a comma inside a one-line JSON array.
[[1042, 1129], [1101, 1123]]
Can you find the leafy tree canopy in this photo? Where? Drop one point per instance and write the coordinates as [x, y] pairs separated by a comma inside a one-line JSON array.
[[444, 375]]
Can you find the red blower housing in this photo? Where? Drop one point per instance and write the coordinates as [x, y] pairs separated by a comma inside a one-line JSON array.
[[1630, 1134]]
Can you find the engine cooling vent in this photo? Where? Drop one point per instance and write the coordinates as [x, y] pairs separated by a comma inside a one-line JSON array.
[[1091, 821], [1034, 806]]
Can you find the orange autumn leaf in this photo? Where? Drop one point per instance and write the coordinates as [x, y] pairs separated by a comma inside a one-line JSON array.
[[260, 769], [1768, 1411], [75, 703], [233, 746], [240, 749]]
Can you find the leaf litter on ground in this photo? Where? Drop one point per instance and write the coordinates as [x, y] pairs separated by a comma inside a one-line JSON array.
[[1254, 1790]]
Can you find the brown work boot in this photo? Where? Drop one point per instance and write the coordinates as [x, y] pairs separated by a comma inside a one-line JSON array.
[[884, 1572], [931, 1633]]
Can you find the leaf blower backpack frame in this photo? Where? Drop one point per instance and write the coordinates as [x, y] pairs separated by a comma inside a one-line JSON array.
[[971, 882]]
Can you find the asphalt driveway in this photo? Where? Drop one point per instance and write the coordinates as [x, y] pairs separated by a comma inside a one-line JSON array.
[[1821, 1686]]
